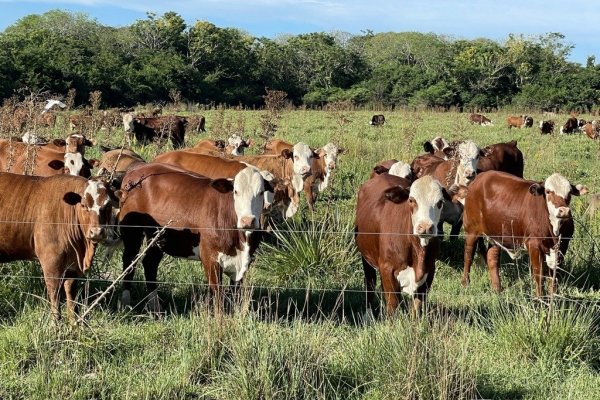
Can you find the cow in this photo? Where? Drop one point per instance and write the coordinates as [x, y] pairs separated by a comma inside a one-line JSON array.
[[116, 162], [506, 157], [321, 168], [196, 123], [480, 120], [515, 214], [65, 217], [395, 232], [235, 146], [149, 129], [440, 147], [393, 167], [570, 126], [592, 129], [547, 127], [283, 197], [377, 120], [22, 158], [581, 123], [276, 146], [213, 221], [523, 121]]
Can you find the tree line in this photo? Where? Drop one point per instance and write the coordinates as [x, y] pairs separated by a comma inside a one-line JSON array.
[[161, 57]]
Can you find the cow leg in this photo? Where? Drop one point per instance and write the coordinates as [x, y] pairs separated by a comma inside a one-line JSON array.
[[493, 262], [535, 258], [132, 242], [308, 193], [150, 262], [370, 284], [70, 285], [470, 241], [53, 286], [214, 276], [455, 231], [391, 289], [440, 229]]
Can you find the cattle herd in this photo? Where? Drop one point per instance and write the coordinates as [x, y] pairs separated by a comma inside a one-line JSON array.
[[213, 203]]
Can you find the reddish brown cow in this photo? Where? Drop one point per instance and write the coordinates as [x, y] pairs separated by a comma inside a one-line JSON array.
[[522, 121], [234, 146], [480, 120], [213, 221], [592, 129], [148, 129], [396, 232], [116, 162], [516, 214], [506, 157], [65, 218]]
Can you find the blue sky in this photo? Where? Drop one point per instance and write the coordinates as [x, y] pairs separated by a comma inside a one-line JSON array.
[[576, 19]]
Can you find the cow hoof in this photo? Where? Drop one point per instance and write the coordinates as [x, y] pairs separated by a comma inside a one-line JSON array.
[[125, 299], [465, 282]]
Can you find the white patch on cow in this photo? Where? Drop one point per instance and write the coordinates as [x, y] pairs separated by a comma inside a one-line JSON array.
[[236, 266], [330, 151], [302, 159], [73, 163], [407, 280], [128, 122], [400, 169], [93, 189], [297, 183], [552, 259], [195, 253], [561, 187], [427, 194], [487, 123], [541, 124], [562, 130], [235, 144], [293, 207], [468, 155], [248, 196], [31, 138]]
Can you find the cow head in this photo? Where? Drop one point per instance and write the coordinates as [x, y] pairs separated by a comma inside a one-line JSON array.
[[436, 144], [94, 209], [248, 197], [557, 191], [236, 145], [401, 169], [468, 154], [302, 158], [77, 143], [330, 153], [128, 122]]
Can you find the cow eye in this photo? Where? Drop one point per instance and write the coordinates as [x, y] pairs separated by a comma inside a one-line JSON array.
[[295, 157], [235, 192], [440, 204], [411, 200]]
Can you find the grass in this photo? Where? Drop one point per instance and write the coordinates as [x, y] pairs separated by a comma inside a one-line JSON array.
[[298, 331]]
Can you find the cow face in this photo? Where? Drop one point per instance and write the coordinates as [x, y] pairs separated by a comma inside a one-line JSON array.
[[330, 151], [94, 209], [128, 122], [74, 163], [77, 143], [236, 145], [401, 169], [426, 198], [558, 192], [468, 155], [302, 158], [248, 197]]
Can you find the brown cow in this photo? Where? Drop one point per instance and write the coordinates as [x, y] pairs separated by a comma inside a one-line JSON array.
[[116, 162], [147, 130], [592, 129], [522, 121], [514, 214], [377, 120], [235, 146], [546, 127], [506, 157], [213, 221], [196, 123], [570, 126], [66, 218], [480, 120], [393, 167], [396, 233]]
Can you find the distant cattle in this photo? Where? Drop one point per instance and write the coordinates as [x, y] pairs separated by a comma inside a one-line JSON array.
[[147, 130], [235, 146], [480, 120], [213, 221], [505, 157], [116, 162], [195, 123], [546, 127], [592, 129], [570, 126], [65, 217], [393, 167], [522, 121], [395, 233], [377, 120], [516, 214]]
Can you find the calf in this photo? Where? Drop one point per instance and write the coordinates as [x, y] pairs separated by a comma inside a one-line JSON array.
[[546, 127], [116, 162], [523, 121], [213, 221], [149, 129], [514, 214], [505, 157], [395, 232], [57, 220], [235, 146], [393, 167], [377, 120], [480, 120], [570, 126]]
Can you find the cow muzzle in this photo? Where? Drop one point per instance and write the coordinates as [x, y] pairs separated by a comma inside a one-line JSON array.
[[96, 234], [247, 222], [470, 175], [563, 213]]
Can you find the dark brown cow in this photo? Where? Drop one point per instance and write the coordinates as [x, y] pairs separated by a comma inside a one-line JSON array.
[[396, 232], [506, 157], [213, 221], [570, 126], [522, 121], [480, 120], [516, 214], [147, 130], [377, 120], [547, 127], [65, 220]]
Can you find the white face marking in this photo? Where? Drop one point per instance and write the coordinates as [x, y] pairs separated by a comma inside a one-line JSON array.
[[561, 187], [128, 122], [427, 194], [73, 163], [235, 145], [407, 280], [293, 207], [236, 266], [400, 169], [248, 196], [302, 158], [269, 196], [468, 154], [331, 153], [93, 189]]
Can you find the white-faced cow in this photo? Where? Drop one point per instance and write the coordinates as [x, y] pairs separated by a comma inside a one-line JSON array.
[[522, 121]]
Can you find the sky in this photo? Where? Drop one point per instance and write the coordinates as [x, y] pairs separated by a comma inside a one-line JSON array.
[[469, 19]]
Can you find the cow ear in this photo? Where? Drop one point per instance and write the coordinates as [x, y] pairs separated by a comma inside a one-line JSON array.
[[380, 169], [89, 142], [484, 152], [93, 162], [248, 143], [579, 190], [59, 142], [56, 164], [449, 152], [222, 185], [287, 153], [72, 198], [269, 187], [455, 193], [120, 195], [396, 194], [220, 144], [428, 147], [536, 189]]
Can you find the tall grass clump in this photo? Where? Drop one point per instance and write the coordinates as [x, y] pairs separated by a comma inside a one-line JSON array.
[[311, 251]]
